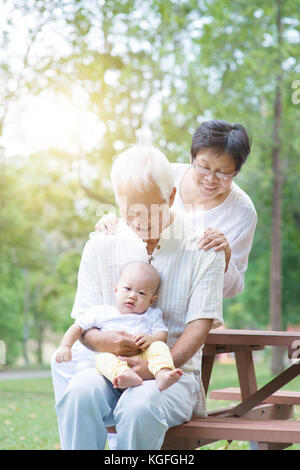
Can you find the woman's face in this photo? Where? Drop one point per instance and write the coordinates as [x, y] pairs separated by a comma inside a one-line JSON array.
[[218, 180]]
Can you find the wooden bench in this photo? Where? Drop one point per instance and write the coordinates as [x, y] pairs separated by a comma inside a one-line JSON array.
[[283, 397], [270, 433], [197, 432], [263, 415]]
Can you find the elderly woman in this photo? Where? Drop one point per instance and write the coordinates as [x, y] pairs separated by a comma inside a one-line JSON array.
[[190, 297], [206, 191]]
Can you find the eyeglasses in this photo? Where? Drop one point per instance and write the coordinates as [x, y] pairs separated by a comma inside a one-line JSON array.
[[218, 174]]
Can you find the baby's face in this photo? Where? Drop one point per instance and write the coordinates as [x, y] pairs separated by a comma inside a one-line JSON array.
[[134, 294]]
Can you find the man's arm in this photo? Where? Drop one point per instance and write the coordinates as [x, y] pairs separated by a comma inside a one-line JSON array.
[[205, 306], [192, 338], [119, 343]]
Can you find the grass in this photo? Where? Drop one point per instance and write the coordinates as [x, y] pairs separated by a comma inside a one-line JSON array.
[[28, 420], [27, 415]]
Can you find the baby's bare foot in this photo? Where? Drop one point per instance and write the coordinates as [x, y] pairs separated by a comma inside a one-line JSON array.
[[166, 377], [127, 379]]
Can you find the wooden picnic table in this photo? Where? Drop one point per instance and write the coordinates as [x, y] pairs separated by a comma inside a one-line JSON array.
[[262, 413], [242, 343]]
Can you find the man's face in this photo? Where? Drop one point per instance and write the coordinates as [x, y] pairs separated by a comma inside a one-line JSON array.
[[145, 211]]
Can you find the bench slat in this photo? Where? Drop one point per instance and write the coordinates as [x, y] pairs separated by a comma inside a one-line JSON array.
[[283, 397], [230, 428]]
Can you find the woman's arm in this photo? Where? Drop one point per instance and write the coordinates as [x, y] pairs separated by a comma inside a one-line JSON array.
[[236, 254], [240, 250]]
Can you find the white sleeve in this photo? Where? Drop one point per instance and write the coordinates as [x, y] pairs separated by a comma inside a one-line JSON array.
[[177, 169], [240, 249], [157, 323], [91, 319], [89, 291], [206, 298]]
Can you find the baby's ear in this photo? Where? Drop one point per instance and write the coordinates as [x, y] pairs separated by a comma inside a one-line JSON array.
[[154, 299], [115, 286]]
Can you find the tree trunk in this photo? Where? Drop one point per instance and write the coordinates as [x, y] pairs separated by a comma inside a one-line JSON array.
[[26, 306], [40, 342], [277, 364]]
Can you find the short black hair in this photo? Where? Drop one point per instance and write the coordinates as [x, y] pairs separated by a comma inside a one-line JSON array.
[[220, 137]]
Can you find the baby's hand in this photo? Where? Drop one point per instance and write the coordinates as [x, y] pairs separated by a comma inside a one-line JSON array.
[[63, 354], [142, 340]]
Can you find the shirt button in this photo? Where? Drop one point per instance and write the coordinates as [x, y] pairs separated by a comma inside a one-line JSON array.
[[158, 247]]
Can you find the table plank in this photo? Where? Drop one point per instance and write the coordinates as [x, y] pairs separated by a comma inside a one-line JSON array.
[[253, 337]]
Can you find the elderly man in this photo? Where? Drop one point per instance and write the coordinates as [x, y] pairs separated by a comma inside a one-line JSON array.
[[190, 298]]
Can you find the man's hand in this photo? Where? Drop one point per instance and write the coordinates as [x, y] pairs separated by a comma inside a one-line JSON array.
[[115, 342], [123, 343], [139, 366]]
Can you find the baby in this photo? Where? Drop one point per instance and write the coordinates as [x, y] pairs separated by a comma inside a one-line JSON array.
[[135, 293]]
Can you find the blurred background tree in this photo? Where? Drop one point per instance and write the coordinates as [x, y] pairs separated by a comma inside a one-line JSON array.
[[83, 79]]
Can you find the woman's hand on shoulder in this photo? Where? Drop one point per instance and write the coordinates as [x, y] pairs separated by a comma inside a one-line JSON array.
[[107, 224], [214, 238]]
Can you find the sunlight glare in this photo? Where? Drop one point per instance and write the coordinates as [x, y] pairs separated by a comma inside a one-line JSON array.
[[55, 122]]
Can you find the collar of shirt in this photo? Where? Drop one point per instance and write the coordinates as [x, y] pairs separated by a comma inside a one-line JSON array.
[[174, 231]]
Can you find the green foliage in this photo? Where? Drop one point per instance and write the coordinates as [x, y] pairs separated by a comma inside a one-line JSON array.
[[196, 60], [233, 62]]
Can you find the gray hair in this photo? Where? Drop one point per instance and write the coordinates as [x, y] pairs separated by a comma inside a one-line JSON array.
[[141, 166]]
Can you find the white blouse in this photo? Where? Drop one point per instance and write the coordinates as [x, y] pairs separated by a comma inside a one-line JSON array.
[[235, 217]]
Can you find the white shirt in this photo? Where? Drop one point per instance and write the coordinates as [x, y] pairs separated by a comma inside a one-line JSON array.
[[235, 217], [108, 318], [191, 280]]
